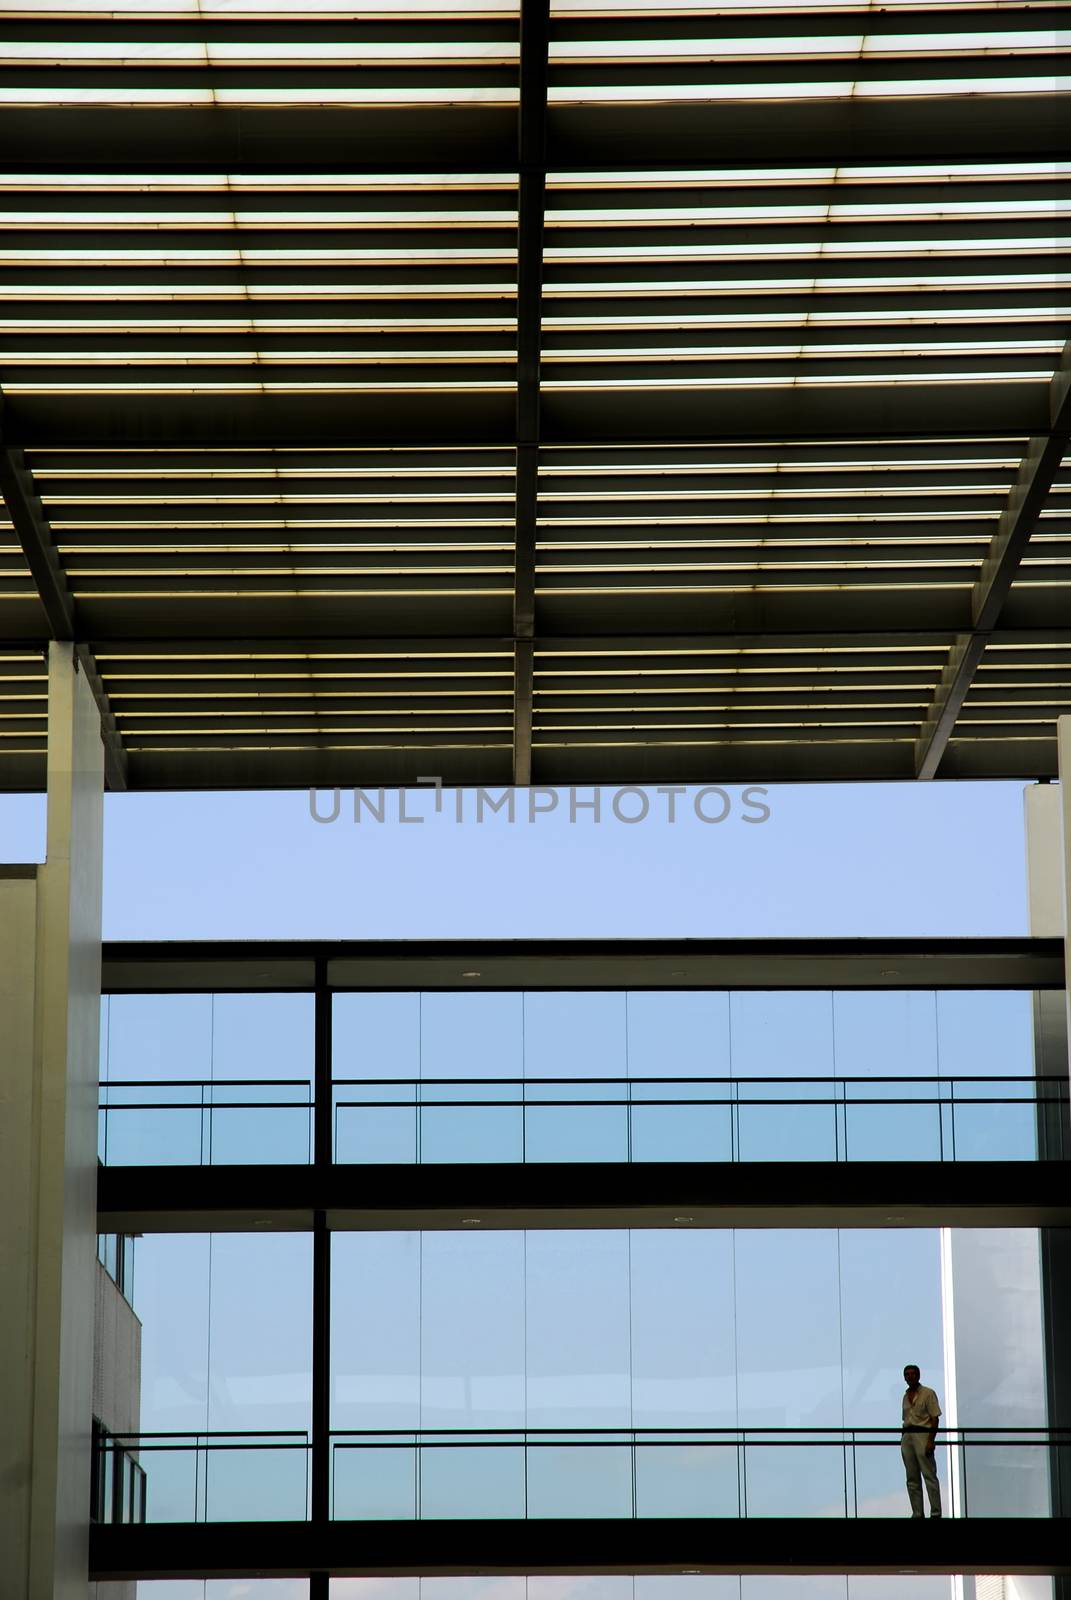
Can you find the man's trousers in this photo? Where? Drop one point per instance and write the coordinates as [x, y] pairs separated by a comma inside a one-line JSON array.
[[920, 1466]]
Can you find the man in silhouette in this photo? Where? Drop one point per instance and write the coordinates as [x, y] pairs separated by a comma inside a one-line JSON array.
[[921, 1415]]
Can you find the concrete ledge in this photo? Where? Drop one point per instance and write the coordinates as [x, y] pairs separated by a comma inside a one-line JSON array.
[[665, 1545], [806, 1194]]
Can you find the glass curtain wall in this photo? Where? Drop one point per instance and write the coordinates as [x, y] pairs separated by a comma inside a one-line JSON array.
[[756, 1329], [682, 1586], [226, 1354], [529, 1364], [440, 1076], [675, 1587], [204, 1589], [192, 1078], [573, 1076]]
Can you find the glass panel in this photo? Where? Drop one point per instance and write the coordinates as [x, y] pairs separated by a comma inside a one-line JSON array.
[[782, 1035], [1000, 1359], [261, 1354], [1005, 1480], [985, 1032], [375, 1035], [577, 1322], [107, 1507], [174, 1484], [789, 1368], [481, 1481], [919, 1586], [893, 1132], [687, 1480], [807, 1586], [682, 1133], [240, 1133], [263, 1036], [372, 1133], [681, 1320], [579, 1480], [127, 1244], [472, 1036], [797, 1132], [994, 1132], [472, 1332], [172, 1301], [160, 1036], [790, 1480], [885, 1033], [257, 1485], [375, 1332], [686, 1586], [576, 1133], [375, 1482], [140, 1135], [678, 1033], [574, 1035], [471, 1134], [878, 1487], [890, 1297]]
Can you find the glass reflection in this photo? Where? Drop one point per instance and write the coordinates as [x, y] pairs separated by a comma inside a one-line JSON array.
[[472, 1079]]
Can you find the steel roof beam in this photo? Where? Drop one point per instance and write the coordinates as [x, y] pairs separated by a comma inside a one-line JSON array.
[[792, 414], [326, 139], [35, 537], [1026, 500], [427, 31], [531, 150]]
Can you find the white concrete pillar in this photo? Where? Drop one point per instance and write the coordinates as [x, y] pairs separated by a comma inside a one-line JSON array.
[[995, 1343], [1046, 885], [1062, 861], [50, 928]]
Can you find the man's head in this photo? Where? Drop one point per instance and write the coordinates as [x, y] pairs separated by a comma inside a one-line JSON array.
[[912, 1376]]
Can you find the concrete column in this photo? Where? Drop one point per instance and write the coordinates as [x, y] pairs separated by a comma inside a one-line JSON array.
[[1062, 862], [1048, 829], [1048, 821], [1049, 841], [1000, 1336], [49, 1034]]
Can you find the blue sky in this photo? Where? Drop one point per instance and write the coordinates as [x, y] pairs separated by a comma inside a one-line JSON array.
[[843, 859]]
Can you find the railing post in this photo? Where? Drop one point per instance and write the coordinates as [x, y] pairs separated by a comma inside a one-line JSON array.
[[321, 1271], [322, 1086]]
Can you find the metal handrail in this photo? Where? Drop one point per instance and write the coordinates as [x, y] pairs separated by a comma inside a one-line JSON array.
[[956, 1445], [841, 1093], [680, 1077], [1044, 1434]]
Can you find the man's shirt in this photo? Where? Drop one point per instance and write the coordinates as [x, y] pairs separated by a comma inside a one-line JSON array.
[[923, 1411]]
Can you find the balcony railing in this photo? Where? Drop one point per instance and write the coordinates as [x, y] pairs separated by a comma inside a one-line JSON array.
[[117, 1489], [205, 1122], [394, 1475], [512, 1120]]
